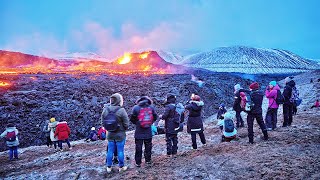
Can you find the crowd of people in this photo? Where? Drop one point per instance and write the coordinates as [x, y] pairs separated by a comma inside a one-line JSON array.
[[115, 122]]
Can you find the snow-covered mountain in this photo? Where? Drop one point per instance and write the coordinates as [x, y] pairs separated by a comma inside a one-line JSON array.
[[170, 57], [250, 60], [81, 56]]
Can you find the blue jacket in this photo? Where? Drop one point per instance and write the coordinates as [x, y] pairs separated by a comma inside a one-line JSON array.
[[92, 132], [140, 132]]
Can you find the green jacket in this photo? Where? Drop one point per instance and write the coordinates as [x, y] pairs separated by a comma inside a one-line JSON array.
[[122, 118], [4, 134]]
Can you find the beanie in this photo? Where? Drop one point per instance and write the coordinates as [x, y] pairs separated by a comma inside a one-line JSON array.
[[254, 86], [52, 120], [195, 97], [93, 128], [273, 83], [222, 105]]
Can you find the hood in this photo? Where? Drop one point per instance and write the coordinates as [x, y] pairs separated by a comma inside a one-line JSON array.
[[171, 99], [116, 100], [144, 101], [291, 83], [62, 122], [276, 88], [198, 103]]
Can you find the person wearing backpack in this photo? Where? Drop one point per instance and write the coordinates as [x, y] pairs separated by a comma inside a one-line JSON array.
[[143, 116], [222, 110], [194, 123], [115, 117], [12, 141], [170, 117], [237, 104], [256, 112], [46, 131], [272, 92], [63, 133], [229, 132], [52, 127], [288, 104], [102, 133], [93, 135]]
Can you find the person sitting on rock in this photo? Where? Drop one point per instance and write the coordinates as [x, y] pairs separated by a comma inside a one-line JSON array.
[[102, 133], [63, 133], [222, 110], [12, 141], [316, 104], [226, 125], [194, 123], [93, 135], [52, 127]]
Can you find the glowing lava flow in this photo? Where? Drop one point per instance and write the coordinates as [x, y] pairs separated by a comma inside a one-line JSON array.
[[144, 55], [126, 58], [4, 84]]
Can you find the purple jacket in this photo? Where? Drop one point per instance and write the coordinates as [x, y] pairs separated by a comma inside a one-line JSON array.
[[272, 95]]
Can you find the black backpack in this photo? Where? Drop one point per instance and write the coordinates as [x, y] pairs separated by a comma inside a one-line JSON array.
[[280, 98], [110, 122], [228, 125]]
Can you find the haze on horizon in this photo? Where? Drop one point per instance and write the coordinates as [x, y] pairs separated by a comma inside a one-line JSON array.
[[110, 28]]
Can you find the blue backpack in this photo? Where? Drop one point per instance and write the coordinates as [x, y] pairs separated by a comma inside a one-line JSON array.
[[103, 136]]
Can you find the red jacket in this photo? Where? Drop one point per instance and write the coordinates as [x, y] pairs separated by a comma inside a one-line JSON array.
[[62, 131], [100, 131]]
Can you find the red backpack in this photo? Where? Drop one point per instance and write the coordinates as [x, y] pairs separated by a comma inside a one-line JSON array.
[[145, 117], [11, 136]]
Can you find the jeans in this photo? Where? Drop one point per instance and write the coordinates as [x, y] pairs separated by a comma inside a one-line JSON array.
[[13, 151], [271, 118], [111, 148], [61, 141], [147, 150], [287, 114], [259, 118], [194, 139], [240, 122], [172, 143]]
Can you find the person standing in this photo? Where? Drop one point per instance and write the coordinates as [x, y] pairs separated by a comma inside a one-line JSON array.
[[237, 105], [46, 131], [194, 123], [117, 137], [52, 127], [12, 141], [63, 133], [288, 105], [256, 112], [143, 116], [271, 94]]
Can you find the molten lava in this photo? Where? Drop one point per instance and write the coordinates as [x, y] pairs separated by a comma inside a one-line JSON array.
[[4, 84], [144, 55], [125, 59]]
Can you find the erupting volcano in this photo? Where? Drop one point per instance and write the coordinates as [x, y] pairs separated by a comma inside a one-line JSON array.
[[146, 63]]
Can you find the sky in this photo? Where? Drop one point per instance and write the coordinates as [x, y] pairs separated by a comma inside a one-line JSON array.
[[112, 27]]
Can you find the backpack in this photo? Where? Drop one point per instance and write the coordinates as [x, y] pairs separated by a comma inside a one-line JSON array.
[[228, 125], [295, 97], [110, 122], [179, 109], [11, 136], [249, 103], [103, 136], [94, 137], [280, 98], [145, 117]]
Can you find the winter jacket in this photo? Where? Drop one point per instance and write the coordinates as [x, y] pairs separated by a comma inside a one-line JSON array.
[[237, 100], [140, 132], [221, 111], [46, 131], [122, 117], [257, 98], [287, 92], [194, 123], [272, 96], [91, 134], [226, 134], [11, 143], [52, 127], [100, 131], [62, 131], [168, 116]]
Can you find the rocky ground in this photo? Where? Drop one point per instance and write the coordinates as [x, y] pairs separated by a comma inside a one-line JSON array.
[[78, 98], [290, 153]]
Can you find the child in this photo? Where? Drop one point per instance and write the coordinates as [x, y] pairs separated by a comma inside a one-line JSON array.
[[222, 110], [227, 128], [102, 133], [243, 100], [93, 135], [63, 133], [12, 141]]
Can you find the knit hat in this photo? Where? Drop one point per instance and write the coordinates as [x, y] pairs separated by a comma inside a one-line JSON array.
[[228, 116], [170, 98], [287, 79], [254, 86], [237, 87], [273, 83], [93, 128], [52, 119], [195, 97], [222, 105]]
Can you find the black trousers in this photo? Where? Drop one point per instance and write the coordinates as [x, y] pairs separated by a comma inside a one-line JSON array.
[[147, 150], [287, 114], [240, 122], [172, 143], [61, 141], [194, 138], [49, 142], [250, 120]]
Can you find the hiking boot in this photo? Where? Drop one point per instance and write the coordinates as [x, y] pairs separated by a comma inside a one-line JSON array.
[[149, 162], [122, 169], [265, 135], [109, 169], [138, 165]]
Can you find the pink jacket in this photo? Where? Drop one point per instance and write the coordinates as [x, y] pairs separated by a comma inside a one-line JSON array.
[[272, 95]]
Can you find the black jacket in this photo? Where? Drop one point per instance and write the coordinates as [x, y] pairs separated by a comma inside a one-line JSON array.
[[257, 98], [168, 116], [237, 100], [140, 132], [287, 91], [194, 123], [91, 133]]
